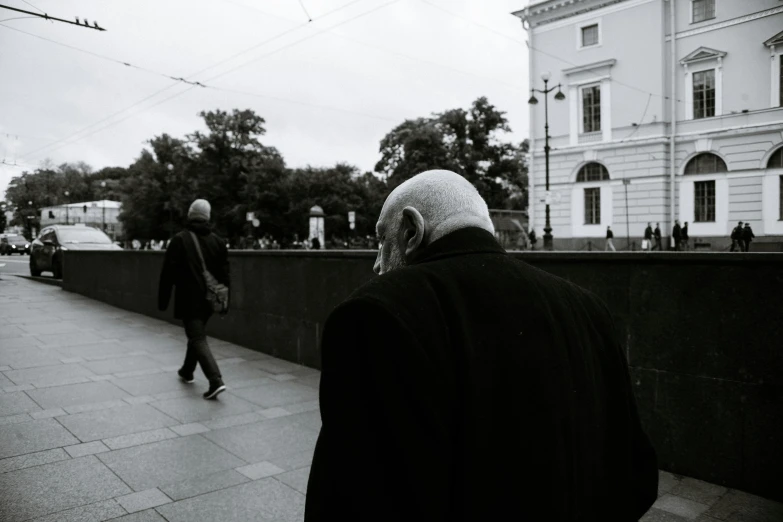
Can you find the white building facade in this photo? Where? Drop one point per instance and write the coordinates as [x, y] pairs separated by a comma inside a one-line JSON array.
[[654, 128], [91, 213]]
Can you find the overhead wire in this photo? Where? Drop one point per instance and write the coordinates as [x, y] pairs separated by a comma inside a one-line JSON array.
[[394, 52], [31, 5], [193, 84], [309, 18]]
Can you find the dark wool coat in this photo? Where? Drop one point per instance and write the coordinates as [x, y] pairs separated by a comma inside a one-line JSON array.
[[472, 386], [676, 233], [657, 232], [747, 234], [684, 232], [648, 233], [182, 269]]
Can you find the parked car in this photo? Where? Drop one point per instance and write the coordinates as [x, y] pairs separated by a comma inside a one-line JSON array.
[[47, 250], [14, 245]]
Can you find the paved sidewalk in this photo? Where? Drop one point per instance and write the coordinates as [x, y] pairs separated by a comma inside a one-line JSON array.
[[95, 425]]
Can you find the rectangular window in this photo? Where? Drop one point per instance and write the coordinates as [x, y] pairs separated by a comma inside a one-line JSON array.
[[589, 35], [704, 94], [703, 10], [591, 109], [704, 201], [593, 206]]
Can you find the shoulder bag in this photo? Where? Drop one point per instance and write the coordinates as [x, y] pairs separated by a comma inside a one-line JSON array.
[[217, 293]]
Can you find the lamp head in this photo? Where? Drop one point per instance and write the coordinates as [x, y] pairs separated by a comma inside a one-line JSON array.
[[546, 76], [559, 96], [532, 100]]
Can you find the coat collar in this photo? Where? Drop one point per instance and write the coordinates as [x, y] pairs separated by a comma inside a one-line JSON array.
[[470, 240]]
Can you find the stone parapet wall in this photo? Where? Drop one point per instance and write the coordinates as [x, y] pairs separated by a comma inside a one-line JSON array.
[[702, 333]]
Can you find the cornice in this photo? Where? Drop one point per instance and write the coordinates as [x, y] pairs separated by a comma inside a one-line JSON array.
[[728, 23], [590, 66], [549, 11]]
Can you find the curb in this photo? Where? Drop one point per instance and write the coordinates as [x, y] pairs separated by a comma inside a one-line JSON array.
[[44, 280]]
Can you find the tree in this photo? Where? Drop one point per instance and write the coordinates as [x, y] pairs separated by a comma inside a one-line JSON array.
[[466, 142], [3, 220]]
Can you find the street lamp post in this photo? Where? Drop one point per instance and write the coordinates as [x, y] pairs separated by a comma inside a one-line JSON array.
[[170, 179], [103, 206], [533, 101], [66, 193]]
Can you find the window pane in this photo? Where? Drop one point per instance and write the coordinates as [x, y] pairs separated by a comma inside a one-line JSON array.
[[589, 35], [703, 10], [593, 206], [704, 201], [704, 94], [591, 109]]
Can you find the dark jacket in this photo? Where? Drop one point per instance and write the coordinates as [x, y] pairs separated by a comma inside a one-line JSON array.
[[747, 234], [736, 234], [684, 233], [658, 232], [648, 233], [470, 386], [609, 234], [676, 232], [182, 269]]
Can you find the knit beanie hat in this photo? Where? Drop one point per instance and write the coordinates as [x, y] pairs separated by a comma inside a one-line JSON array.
[[199, 209]]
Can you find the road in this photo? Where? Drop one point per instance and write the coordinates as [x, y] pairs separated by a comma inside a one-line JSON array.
[[16, 265]]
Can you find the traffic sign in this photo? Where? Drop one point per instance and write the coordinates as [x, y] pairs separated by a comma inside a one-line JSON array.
[[256, 222], [250, 216], [352, 217]]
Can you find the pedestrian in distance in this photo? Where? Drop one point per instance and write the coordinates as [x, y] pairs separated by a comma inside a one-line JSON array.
[[747, 237], [736, 239], [532, 237], [190, 253], [648, 236], [609, 238], [677, 235], [658, 245], [465, 384], [316, 244], [684, 237]]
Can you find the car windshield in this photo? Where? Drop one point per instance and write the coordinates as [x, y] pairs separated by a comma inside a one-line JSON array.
[[17, 241], [83, 235]]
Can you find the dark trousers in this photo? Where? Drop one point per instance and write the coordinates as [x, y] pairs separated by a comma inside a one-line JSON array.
[[746, 245], [658, 245], [734, 245], [198, 350]]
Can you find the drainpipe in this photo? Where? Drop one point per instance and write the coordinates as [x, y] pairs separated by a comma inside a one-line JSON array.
[[531, 208], [673, 126]]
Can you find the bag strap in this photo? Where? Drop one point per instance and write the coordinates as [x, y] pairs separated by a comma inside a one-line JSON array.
[[198, 249]]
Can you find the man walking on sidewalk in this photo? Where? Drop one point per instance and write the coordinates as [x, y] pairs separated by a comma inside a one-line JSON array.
[[182, 267], [677, 235]]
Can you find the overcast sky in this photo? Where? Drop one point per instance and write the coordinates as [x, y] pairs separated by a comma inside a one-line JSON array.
[[326, 99]]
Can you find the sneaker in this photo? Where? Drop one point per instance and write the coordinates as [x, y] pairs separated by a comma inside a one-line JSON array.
[[214, 390], [185, 377]]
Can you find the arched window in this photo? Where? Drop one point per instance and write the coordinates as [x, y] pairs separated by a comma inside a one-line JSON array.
[[592, 195], [776, 160], [592, 172], [705, 163]]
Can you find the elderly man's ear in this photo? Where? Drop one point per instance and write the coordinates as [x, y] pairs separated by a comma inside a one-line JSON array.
[[413, 230]]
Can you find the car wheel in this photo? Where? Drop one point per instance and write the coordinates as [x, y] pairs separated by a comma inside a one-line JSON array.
[[34, 271]]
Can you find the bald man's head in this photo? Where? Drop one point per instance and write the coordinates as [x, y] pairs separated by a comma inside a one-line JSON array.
[[424, 209]]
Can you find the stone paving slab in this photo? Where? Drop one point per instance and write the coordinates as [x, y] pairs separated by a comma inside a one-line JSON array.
[[33, 436], [48, 375], [277, 394], [103, 424], [267, 440], [50, 488], [104, 510], [17, 402], [194, 408], [265, 499], [76, 394], [201, 484], [121, 364], [152, 465]]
